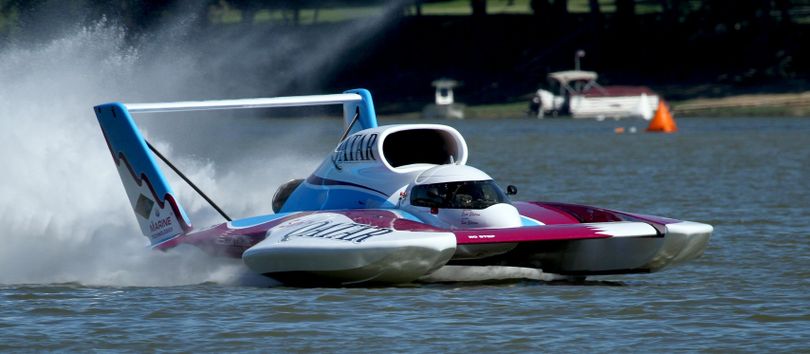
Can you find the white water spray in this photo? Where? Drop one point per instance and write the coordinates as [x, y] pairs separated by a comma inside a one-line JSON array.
[[64, 216]]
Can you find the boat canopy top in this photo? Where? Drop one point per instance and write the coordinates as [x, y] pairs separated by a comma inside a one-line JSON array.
[[564, 77]]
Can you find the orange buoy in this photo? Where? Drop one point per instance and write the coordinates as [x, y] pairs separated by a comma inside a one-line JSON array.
[[663, 121]]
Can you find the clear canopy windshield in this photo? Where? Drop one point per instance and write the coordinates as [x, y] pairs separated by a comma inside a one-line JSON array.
[[458, 195]]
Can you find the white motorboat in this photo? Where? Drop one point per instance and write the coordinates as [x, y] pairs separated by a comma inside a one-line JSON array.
[[580, 96]]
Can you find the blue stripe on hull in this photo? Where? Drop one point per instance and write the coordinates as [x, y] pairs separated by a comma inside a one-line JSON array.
[[309, 197], [526, 221], [256, 220]]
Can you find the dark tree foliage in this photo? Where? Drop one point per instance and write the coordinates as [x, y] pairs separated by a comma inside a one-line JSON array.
[[745, 44], [137, 15], [549, 9], [540, 7], [479, 7], [594, 7], [625, 9], [560, 7]]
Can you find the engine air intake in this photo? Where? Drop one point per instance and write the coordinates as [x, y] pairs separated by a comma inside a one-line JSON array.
[[414, 146]]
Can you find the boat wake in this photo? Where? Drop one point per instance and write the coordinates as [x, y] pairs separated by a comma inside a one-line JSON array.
[[448, 274]]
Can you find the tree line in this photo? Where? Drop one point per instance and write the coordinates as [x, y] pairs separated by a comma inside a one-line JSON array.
[[139, 15]]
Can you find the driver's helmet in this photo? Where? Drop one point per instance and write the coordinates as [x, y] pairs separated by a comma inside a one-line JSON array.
[[459, 196]]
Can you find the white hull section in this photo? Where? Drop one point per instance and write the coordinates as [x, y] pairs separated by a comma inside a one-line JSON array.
[[642, 106], [332, 248]]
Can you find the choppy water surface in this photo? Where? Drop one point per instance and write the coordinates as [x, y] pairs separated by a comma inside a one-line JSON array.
[[749, 177]]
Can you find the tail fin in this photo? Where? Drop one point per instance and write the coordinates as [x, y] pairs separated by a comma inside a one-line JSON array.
[[364, 107], [159, 215]]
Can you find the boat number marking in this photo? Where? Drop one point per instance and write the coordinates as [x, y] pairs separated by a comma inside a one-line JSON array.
[[356, 233]]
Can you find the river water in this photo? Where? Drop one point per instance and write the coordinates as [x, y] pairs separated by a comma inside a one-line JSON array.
[[749, 292]]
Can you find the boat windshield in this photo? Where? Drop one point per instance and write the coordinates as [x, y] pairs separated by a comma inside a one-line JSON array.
[[458, 195]]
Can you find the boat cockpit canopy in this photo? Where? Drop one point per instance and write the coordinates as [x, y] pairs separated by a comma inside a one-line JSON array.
[[458, 195]]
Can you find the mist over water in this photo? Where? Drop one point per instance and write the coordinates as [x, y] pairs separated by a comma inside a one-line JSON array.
[[64, 213]]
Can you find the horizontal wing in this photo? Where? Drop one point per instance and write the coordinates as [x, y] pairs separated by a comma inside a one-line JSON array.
[[555, 232], [292, 101]]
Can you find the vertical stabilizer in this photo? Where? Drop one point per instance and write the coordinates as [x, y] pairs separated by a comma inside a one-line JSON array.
[[159, 215], [367, 118]]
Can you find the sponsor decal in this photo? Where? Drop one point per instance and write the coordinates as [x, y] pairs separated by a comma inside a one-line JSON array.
[[357, 148], [162, 233], [349, 232], [143, 206], [160, 224], [235, 241], [481, 236], [468, 217]]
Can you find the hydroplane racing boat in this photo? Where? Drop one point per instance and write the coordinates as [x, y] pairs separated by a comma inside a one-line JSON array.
[[391, 204]]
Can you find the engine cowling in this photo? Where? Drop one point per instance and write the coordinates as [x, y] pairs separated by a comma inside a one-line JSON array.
[[370, 168]]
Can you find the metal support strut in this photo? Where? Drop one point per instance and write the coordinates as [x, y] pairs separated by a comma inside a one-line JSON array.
[[349, 128], [164, 159]]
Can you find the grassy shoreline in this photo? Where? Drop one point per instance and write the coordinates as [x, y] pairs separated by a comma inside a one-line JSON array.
[[774, 105], [783, 105]]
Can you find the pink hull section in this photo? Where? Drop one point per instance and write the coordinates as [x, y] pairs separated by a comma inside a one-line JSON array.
[[562, 222], [574, 240]]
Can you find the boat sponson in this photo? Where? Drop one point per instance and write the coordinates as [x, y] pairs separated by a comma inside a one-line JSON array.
[[682, 241]]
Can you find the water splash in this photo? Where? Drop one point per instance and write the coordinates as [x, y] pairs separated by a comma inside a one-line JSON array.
[[63, 213]]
